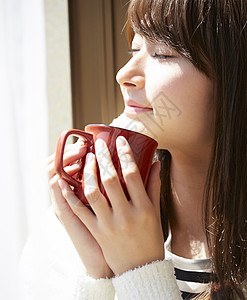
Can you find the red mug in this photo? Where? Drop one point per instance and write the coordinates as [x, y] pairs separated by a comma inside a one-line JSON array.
[[142, 146]]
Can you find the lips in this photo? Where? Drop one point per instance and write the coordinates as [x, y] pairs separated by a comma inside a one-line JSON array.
[[132, 106]]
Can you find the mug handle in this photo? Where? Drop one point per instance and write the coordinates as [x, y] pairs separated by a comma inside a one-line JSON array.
[[88, 138]]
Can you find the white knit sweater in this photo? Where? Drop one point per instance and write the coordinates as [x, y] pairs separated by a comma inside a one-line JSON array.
[[51, 269]]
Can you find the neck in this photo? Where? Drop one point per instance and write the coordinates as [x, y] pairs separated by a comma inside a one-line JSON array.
[[188, 178]]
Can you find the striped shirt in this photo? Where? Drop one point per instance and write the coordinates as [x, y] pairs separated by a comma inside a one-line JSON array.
[[193, 276]]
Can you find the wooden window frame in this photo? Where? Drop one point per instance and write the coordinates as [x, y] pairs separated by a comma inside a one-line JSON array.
[[98, 48]]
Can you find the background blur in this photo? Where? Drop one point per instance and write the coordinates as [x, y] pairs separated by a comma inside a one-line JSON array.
[[58, 61]]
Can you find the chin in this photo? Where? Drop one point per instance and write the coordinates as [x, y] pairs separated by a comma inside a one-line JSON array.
[[125, 122]]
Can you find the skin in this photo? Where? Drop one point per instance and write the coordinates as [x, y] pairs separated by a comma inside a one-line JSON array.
[[100, 239], [128, 234], [187, 132]]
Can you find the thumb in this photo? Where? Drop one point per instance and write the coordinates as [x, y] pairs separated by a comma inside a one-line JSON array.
[[153, 187]]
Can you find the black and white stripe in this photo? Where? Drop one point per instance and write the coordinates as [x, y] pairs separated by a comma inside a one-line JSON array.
[[193, 276], [192, 283]]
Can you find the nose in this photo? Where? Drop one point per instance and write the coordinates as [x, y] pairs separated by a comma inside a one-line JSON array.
[[132, 74]]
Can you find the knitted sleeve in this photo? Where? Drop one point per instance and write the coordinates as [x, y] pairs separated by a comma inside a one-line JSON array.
[[50, 267], [152, 281]]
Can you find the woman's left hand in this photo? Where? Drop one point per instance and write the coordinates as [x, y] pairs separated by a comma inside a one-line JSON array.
[[128, 232]]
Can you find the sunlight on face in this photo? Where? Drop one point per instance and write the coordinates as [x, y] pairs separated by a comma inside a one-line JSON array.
[[165, 97]]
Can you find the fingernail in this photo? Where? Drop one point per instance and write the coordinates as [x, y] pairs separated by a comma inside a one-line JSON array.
[[80, 141], [89, 157], [121, 141], [100, 144], [82, 147]]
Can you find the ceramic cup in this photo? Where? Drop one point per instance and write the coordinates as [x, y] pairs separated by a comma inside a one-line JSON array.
[[142, 146]]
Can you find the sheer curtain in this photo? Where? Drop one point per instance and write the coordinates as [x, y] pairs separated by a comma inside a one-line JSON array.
[[24, 132]]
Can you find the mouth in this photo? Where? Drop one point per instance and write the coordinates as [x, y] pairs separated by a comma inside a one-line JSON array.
[[132, 107]]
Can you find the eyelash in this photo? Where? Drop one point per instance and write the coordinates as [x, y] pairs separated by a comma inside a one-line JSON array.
[[161, 56], [132, 51], [157, 56]]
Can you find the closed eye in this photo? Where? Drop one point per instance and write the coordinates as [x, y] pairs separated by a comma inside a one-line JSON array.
[[133, 51], [161, 56]]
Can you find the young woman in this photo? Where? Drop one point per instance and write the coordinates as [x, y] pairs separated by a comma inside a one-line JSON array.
[[184, 85]]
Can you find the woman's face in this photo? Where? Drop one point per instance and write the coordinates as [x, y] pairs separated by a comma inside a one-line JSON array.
[[166, 97]]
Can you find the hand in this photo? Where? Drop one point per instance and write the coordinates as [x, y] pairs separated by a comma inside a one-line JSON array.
[[85, 244], [128, 232]]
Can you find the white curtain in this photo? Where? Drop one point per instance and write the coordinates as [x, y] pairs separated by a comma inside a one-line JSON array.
[[24, 132]]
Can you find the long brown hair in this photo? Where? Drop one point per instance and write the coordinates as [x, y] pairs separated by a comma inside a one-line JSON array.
[[211, 34]]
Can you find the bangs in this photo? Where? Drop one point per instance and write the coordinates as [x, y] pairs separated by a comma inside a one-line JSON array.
[[177, 23]]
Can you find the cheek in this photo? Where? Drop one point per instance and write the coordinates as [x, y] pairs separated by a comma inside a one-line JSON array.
[[168, 80], [188, 91], [184, 108], [178, 81]]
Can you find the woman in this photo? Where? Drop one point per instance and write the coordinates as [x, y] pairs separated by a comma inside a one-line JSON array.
[[185, 85]]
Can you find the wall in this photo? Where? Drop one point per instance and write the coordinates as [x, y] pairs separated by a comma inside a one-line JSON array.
[[58, 69]]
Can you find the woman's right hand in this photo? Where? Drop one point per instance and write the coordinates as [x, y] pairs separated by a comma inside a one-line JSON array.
[[85, 244]]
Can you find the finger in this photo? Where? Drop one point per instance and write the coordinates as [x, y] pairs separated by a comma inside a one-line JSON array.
[[153, 187], [60, 205], [92, 191], [71, 222], [131, 172], [109, 176], [68, 147], [71, 170], [76, 205], [69, 157], [51, 158], [61, 208]]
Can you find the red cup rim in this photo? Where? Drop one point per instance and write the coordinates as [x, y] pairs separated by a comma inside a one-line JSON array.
[[109, 126]]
